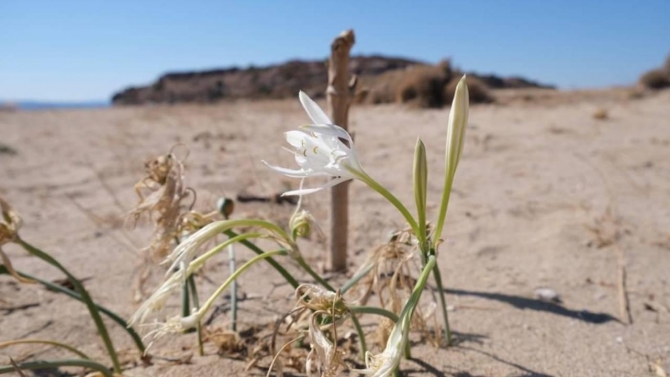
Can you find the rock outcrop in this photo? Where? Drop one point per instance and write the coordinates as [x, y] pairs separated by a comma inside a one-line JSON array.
[[271, 82]]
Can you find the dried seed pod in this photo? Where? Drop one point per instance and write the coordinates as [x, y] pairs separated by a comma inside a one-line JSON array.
[[10, 223], [315, 298], [164, 179]]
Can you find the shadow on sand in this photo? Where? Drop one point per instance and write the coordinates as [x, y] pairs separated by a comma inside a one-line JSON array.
[[426, 369], [537, 305]]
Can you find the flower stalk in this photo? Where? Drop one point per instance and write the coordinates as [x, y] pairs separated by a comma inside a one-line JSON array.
[[196, 305], [443, 305], [365, 178]]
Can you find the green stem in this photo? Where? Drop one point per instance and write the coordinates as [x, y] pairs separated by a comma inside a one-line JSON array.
[[289, 278], [233, 289], [319, 279], [205, 308], [374, 310], [408, 310], [361, 336], [443, 303], [196, 304], [413, 300], [102, 330], [38, 365], [446, 194], [202, 259], [356, 278], [49, 342], [68, 292], [185, 300], [390, 197], [226, 225]]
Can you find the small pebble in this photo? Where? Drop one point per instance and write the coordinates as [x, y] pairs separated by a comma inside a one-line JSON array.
[[547, 295]]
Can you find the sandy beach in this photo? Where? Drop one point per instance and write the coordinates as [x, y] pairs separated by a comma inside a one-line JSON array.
[[546, 196]]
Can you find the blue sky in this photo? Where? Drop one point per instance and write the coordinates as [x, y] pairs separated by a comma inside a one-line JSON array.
[[86, 50]]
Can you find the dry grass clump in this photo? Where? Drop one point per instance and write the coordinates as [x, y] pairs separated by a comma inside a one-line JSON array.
[[395, 268], [479, 92], [658, 78], [601, 114]]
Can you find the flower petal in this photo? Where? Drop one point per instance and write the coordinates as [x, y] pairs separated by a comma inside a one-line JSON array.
[[287, 172], [331, 183], [313, 110], [329, 130], [296, 138]]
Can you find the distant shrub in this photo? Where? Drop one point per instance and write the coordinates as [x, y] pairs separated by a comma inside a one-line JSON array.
[[479, 92], [383, 95], [656, 79], [423, 87], [379, 89]]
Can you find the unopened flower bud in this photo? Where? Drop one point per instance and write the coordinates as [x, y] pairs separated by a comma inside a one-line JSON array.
[[301, 223], [226, 207]]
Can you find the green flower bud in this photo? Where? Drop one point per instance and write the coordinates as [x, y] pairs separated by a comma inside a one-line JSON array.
[[226, 207]]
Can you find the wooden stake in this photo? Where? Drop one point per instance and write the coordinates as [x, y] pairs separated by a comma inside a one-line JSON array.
[[339, 92]]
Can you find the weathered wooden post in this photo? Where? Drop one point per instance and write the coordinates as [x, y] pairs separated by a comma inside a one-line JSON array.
[[340, 92]]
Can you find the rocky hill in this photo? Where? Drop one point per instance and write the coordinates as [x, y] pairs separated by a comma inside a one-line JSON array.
[[272, 82]]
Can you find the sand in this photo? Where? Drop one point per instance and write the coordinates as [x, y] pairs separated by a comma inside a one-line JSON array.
[[543, 190]]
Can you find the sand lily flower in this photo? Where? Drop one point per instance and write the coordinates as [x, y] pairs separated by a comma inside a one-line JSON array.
[[320, 150]]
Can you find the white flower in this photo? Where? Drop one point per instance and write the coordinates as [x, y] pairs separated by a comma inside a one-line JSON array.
[[320, 151]]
